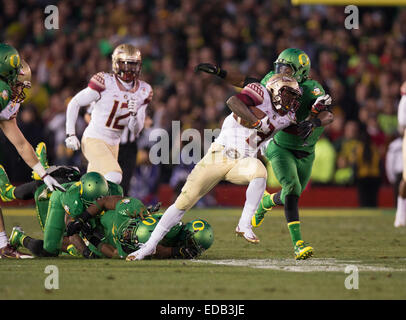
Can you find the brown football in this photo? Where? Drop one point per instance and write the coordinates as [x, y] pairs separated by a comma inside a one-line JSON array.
[[256, 111]]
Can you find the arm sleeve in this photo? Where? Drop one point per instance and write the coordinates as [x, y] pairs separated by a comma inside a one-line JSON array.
[[81, 99]]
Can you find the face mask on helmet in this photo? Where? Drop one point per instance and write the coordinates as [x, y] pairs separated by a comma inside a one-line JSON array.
[[287, 100], [284, 68], [128, 237], [128, 70], [23, 82]]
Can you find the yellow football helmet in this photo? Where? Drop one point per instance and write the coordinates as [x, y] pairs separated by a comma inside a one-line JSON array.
[[127, 62], [23, 82], [285, 93]]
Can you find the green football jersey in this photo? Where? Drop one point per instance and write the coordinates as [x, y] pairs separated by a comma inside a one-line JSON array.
[[311, 90], [72, 202]]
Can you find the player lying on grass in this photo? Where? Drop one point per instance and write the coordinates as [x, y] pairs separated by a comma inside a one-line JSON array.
[[117, 226], [291, 152], [51, 206], [259, 111]]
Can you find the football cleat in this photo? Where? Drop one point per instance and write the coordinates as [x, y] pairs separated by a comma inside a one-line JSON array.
[[247, 233], [11, 253], [259, 215], [41, 153], [302, 250], [16, 236], [6, 188]]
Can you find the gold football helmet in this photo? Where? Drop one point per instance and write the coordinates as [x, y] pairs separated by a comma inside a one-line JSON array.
[[285, 93], [127, 62], [23, 82]]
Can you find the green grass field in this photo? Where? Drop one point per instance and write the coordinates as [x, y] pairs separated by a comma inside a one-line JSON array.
[[232, 268]]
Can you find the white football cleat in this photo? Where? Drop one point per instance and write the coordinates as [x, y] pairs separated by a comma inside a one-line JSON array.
[[247, 233], [140, 254]]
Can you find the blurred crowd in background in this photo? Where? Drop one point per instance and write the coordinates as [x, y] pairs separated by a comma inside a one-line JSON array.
[[362, 69]]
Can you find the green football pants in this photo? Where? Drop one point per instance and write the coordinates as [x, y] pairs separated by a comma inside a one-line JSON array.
[[292, 173]]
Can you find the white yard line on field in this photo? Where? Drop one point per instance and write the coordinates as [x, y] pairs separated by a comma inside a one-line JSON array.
[[312, 265]]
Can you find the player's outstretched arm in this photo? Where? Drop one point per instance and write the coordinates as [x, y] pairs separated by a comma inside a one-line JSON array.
[[26, 151], [232, 77]]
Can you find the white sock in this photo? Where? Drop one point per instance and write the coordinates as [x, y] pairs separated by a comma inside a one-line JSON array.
[[171, 217], [254, 195], [114, 176], [400, 219], [3, 239]]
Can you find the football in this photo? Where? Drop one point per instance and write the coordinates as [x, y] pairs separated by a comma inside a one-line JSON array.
[[255, 111]]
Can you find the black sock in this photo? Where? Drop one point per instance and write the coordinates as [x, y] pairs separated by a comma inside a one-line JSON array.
[[277, 198], [26, 191], [37, 247], [291, 208]]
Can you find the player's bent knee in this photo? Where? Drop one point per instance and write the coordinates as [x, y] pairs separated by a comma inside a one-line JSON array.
[[186, 201]]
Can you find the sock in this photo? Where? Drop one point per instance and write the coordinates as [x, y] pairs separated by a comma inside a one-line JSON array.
[[294, 230], [272, 200], [400, 219], [8, 194], [27, 190], [171, 216], [3, 239], [114, 176], [292, 217], [254, 194]]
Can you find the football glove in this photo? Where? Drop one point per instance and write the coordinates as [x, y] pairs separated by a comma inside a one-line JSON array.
[[321, 104], [211, 69], [305, 128], [72, 142], [154, 208], [52, 184], [133, 105]]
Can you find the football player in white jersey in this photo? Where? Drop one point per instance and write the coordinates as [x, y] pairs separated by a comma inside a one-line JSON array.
[[400, 218], [119, 99], [233, 157]]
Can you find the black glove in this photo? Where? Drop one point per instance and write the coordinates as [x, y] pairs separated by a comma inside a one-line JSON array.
[[77, 226], [88, 254], [154, 208], [212, 69], [305, 128]]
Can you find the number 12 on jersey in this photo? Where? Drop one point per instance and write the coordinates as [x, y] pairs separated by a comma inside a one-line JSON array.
[[115, 124]]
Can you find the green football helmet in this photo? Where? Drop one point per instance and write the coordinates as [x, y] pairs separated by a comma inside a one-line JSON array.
[[94, 186], [131, 207], [10, 63], [293, 62], [200, 232]]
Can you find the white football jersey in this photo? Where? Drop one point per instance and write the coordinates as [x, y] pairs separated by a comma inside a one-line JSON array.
[[241, 142], [110, 113]]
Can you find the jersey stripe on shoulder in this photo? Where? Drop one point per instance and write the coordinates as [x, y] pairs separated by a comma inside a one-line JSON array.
[[255, 91], [97, 82]]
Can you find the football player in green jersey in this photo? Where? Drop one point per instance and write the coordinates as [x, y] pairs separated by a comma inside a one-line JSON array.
[[15, 77], [55, 208], [119, 226], [291, 151]]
